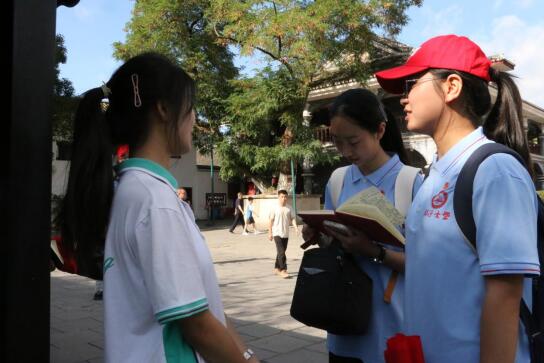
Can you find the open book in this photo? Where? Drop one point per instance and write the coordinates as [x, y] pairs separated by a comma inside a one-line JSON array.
[[368, 211]]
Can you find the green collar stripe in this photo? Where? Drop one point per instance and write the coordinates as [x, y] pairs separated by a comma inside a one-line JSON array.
[[151, 166]]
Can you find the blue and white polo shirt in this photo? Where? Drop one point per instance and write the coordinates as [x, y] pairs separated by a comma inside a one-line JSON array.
[[157, 269], [385, 319], [445, 284]]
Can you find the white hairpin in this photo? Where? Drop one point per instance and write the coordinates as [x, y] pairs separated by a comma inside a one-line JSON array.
[[137, 99], [105, 90]]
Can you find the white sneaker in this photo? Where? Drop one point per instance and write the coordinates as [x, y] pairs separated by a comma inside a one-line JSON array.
[[245, 234]]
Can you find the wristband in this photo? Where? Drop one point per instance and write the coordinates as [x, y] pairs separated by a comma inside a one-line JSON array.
[[248, 354]]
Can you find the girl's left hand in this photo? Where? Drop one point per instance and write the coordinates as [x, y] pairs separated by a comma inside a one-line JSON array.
[[355, 242]]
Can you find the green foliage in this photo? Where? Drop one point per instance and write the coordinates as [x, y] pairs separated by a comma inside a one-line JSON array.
[[256, 123], [64, 102], [179, 30], [306, 43]]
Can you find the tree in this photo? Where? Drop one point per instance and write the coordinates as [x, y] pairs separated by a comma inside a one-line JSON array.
[[179, 30], [306, 43], [64, 102]]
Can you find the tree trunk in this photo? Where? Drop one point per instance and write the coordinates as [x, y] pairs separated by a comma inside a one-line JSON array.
[[285, 181]]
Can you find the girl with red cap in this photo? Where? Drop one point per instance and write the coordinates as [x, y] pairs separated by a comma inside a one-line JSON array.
[[463, 301]]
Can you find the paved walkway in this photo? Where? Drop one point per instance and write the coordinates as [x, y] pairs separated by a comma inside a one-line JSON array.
[[255, 299]]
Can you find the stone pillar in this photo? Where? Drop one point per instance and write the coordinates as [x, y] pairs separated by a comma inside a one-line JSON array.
[[541, 144]]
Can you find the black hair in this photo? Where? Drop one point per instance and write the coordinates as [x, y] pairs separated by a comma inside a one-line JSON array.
[[250, 199], [365, 110], [504, 121], [282, 191], [100, 127]]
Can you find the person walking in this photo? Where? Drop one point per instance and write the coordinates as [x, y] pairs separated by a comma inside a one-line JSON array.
[[464, 300], [369, 137], [280, 218], [238, 213], [248, 217], [161, 295]]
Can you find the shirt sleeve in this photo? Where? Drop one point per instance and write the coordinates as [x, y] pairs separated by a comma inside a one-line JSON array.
[[165, 248], [505, 212]]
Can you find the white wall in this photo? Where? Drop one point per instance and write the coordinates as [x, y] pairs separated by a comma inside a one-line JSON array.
[[423, 144], [59, 174], [187, 174]]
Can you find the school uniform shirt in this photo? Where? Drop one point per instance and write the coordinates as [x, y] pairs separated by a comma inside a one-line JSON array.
[[385, 319], [282, 217], [445, 276], [157, 269]]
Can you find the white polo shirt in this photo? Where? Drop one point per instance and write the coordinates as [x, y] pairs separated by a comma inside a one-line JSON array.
[[445, 282], [157, 269], [281, 217]]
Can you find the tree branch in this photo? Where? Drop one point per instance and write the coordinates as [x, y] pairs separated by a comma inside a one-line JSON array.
[[270, 54]]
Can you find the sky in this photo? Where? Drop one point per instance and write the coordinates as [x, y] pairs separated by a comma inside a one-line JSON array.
[[514, 29]]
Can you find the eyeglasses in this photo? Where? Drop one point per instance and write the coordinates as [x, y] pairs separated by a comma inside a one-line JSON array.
[[410, 83]]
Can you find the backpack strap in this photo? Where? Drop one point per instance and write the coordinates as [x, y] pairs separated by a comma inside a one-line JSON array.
[[462, 196], [404, 187], [337, 183]]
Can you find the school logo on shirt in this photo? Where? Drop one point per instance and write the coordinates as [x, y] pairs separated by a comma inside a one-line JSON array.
[[108, 262], [441, 198]]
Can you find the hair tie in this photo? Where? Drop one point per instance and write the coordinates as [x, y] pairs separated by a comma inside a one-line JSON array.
[[137, 99], [494, 74], [105, 90]]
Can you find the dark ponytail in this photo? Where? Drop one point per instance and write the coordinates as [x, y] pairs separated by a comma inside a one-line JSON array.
[[134, 93], [365, 109], [504, 122], [85, 209]]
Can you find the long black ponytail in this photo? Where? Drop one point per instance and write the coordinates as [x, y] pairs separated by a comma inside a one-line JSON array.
[[365, 109], [85, 209], [504, 121], [134, 92]]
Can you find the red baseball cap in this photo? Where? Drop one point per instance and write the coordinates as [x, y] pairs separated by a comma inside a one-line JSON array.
[[442, 52]]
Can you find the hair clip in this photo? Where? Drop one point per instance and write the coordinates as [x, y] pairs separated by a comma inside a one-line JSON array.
[[137, 99], [105, 90]]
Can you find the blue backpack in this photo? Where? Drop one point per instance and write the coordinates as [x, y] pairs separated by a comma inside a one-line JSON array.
[[462, 205]]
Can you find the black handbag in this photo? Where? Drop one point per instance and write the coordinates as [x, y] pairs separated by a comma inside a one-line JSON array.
[[332, 293]]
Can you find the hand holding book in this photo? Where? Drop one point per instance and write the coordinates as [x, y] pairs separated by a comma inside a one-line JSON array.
[[368, 211]]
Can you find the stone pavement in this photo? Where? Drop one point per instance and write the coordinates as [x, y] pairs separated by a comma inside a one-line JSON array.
[[255, 299]]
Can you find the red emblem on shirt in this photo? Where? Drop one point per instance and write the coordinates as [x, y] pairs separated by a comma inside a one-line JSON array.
[[440, 199]]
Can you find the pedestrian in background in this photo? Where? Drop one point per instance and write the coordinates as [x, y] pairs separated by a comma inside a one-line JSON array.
[[238, 213], [280, 219]]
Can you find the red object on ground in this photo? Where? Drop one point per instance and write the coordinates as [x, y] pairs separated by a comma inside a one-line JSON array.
[[68, 263], [404, 349]]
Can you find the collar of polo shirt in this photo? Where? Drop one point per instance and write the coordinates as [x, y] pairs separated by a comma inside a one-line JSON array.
[[150, 166]]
